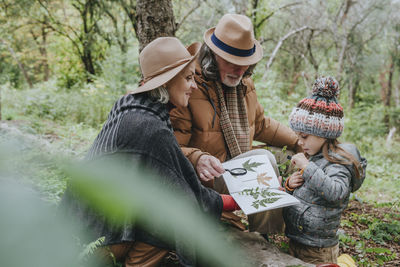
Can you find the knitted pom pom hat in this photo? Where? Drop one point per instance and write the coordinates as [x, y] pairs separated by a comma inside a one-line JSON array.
[[320, 113]]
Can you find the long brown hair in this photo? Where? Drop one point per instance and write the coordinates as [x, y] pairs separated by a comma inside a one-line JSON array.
[[349, 159]]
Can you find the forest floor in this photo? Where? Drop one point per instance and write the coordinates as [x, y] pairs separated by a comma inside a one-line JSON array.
[[369, 233]]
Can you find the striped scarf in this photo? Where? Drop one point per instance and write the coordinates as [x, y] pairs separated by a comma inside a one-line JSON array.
[[106, 141], [233, 119]]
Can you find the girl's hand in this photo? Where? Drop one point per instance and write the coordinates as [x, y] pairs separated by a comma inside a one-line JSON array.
[[280, 184], [300, 161], [296, 180]]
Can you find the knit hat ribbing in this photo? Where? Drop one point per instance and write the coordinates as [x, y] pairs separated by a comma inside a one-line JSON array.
[[319, 114]]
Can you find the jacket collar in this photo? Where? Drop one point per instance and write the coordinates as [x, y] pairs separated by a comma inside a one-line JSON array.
[[144, 104]]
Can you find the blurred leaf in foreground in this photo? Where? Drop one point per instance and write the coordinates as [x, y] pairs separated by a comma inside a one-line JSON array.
[[31, 235], [120, 193]]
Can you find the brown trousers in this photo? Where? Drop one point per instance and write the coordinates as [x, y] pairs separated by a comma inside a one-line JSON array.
[[133, 254], [314, 255]]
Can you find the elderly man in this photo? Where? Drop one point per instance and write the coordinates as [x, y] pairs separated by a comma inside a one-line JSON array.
[[224, 116]]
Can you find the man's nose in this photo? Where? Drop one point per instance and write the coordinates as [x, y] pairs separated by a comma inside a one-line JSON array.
[[239, 69]]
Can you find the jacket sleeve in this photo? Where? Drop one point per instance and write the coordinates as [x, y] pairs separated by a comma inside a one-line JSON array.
[[271, 132], [181, 120], [331, 184]]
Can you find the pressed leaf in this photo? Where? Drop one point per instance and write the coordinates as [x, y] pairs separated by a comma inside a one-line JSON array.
[[249, 166], [262, 178]]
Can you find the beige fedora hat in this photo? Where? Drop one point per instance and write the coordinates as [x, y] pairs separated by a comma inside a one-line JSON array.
[[233, 40], [162, 59]]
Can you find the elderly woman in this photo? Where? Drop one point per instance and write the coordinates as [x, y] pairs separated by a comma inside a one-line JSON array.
[[139, 125]]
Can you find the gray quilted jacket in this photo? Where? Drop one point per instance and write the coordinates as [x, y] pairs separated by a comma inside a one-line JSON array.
[[323, 197]]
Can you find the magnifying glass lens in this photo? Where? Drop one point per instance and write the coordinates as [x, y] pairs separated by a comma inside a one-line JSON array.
[[238, 171]]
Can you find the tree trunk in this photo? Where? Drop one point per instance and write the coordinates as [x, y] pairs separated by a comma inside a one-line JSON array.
[[353, 87], [341, 59], [43, 52], [312, 59], [88, 21], [42, 49], [386, 90], [155, 18], [397, 94], [351, 92], [390, 84]]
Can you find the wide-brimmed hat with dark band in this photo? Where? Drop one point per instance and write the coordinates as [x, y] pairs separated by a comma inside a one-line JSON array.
[[162, 59], [233, 40]]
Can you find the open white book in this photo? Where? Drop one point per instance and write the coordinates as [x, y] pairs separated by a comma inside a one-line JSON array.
[[257, 189]]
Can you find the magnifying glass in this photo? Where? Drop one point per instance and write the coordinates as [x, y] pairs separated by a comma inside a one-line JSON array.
[[237, 171]]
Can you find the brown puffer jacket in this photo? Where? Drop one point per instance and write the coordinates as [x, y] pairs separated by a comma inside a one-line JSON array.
[[198, 131]]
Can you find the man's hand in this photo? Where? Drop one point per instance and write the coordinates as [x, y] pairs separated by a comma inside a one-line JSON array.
[[209, 167], [296, 180], [300, 160]]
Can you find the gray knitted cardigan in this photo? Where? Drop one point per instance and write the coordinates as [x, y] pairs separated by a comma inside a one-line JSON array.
[[140, 127], [323, 197]]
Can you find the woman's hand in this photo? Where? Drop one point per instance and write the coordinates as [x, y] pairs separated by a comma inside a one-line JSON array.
[[300, 161], [296, 180], [209, 167]]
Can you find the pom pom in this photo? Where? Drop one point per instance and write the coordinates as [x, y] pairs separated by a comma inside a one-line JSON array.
[[326, 87]]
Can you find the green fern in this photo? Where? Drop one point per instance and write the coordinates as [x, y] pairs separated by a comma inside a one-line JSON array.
[[91, 248]]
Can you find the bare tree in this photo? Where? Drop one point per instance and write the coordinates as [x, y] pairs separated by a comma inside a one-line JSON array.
[[278, 45], [260, 19]]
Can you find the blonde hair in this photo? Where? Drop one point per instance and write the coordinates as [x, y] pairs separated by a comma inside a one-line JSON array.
[[349, 159], [159, 94]]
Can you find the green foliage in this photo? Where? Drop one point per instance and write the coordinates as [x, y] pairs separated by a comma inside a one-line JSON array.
[[9, 73], [67, 67], [90, 248], [378, 255], [346, 223], [382, 255], [120, 71], [346, 241], [284, 246], [381, 231], [46, 101]]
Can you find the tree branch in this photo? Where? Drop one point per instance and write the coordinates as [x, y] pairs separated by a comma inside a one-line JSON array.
[[279, 44], [273, 12], [20, 65], [130, 12], [312, 59], [178, 25]]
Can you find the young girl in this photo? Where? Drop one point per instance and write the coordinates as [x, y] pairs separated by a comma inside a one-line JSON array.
[[327, 172]]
